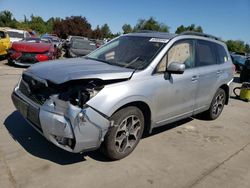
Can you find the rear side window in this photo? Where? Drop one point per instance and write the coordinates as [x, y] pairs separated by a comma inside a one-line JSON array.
[[222, 56], [2, 35], [205, 53]]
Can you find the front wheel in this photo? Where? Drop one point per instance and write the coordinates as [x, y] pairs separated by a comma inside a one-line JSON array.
[[217, 105], [125, 134]]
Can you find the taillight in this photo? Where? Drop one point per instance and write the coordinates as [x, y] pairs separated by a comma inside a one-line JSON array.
[[42, 57]]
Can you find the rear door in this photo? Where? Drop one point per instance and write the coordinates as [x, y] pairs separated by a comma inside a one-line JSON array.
[[209, 72]]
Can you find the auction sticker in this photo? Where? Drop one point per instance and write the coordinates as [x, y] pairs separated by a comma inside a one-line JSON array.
[[158, 40]]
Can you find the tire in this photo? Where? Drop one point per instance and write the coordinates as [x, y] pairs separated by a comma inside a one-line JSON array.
[[123, 137], [217, 105]]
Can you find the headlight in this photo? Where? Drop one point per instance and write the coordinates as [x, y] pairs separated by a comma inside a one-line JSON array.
[[92, 92]]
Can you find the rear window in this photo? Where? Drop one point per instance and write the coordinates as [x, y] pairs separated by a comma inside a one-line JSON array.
[[83, 44], [222, 56], [205, 53]]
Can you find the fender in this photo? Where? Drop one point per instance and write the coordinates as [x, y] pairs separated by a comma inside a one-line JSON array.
[[108, 100]]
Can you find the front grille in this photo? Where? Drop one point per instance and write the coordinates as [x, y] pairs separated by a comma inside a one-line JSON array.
[[27, 58], [28, 88]]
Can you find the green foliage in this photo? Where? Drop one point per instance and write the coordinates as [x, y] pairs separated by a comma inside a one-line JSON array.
[[237, 46], [37, 23], [191, 27], [247, 48], [105, 30], [127, 28], [150, 24], [97, 33], [7, 20]]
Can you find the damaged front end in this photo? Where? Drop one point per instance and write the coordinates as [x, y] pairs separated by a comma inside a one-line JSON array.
[[60, 113]]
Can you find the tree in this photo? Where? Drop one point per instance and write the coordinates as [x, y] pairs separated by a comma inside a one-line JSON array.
[[37, 23], [247, 48], [191, 27], [7, 20], [236, 46], [127, 28], [106, 33], [150, 24], [96, 33], [74, 25]]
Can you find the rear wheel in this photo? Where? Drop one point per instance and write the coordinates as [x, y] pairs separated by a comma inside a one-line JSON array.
[[217, 105], [123, 137]]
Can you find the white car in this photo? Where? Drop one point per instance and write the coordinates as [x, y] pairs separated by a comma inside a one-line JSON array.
[[17, 35]]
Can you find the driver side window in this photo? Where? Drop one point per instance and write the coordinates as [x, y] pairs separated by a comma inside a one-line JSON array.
[[180, 52]]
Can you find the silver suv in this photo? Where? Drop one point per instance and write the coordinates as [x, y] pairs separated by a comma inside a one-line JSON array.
[[131, 85]]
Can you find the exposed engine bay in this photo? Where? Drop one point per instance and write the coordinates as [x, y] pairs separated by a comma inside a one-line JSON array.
[[77, 92]]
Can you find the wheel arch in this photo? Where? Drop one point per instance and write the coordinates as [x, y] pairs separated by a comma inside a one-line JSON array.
[[225, 87], [147, 114]]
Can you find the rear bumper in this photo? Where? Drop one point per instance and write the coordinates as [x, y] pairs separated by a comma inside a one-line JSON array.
[[67, 126]]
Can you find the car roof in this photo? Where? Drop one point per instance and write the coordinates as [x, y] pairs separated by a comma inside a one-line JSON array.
[[16, 30]]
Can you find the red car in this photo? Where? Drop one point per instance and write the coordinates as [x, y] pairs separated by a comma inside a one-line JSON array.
[[32, 50]]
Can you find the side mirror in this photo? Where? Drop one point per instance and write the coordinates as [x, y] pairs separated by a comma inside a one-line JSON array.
[[176, 68]]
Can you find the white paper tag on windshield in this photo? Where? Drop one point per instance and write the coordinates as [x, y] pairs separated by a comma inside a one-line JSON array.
[[158, 40]]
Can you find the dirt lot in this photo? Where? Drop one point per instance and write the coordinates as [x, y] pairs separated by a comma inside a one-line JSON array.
[[190, 153]]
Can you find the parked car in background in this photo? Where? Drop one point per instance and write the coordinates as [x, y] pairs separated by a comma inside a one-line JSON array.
[[17, 35], [238, 61], [55, 40], [134, 83], [4, 42], [79, 46], [99, 43], [31, 50], [245, 72]]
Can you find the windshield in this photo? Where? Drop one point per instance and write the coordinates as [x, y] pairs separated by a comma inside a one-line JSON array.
[[13, 34], [134, 52]]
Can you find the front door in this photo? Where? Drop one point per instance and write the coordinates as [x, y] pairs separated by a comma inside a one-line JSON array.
[[175, 93]]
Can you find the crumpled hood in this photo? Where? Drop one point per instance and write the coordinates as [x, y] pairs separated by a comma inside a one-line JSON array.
[[60, 71], [31, 47]]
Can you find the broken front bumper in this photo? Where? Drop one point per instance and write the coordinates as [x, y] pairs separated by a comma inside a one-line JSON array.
[[67, 126]]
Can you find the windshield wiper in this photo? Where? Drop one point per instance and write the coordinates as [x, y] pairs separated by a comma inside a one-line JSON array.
[[99, 60]]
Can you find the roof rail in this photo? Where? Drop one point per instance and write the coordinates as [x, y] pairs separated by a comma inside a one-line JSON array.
[[147, 31], [199, 34]]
